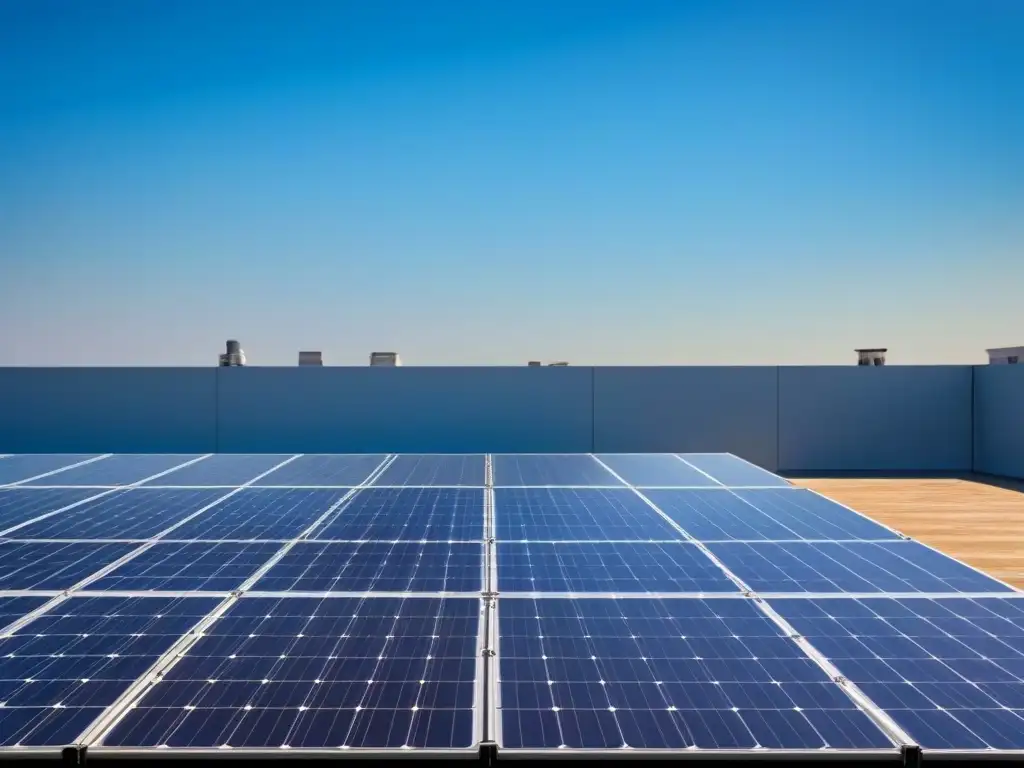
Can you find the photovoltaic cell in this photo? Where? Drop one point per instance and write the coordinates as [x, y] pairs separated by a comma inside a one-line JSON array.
[[261, 513], [20, 467], [120, 469], [606, 567], [425, 469], [664, 674], [54, 565], [131, 514], [550, 469], [13, 608], [18, 506], [577, 514], [731, 470], [763, 514], [190, 566], [325, 470], [950, 672], [380, 673], [656, 469], [228, 469], [900, 566], [59, 671], [435, 514], [376, 566]]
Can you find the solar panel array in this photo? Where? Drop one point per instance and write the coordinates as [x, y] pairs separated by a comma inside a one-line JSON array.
[[554, 605]]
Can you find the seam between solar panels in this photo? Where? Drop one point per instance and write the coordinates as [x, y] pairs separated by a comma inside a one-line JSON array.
[[94, 459], [876, 714], [487, 714], [108, 719]]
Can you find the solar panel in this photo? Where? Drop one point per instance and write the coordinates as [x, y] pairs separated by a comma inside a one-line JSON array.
[[325, 470], [62, 669], [450, 470], [949, 671], [437, 514], [18, 505], [261, 513], [377, 566], [189, 566], [664, 674], [120, 469], [54, 565], [132, 514], [654, 470], [13, 469], [14, 608], [381, 673], [901, 566], [550, 469], [731, 470], [226, 469], [608, 567], [577, 514], [770, 515]]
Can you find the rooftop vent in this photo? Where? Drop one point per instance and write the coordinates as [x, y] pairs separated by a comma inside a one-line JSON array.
[[311, 358], [871, 356], [234, 356], [385, 358]]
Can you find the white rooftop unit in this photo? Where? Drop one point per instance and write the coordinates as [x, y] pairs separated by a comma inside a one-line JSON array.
[[1005, 355], [874, 356], [234, 356], [311, 358], [385, 358]]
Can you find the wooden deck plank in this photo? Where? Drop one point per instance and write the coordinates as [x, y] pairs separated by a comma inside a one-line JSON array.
[[975, 522]]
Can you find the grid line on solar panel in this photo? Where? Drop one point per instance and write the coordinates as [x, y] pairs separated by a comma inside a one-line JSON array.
[[61, 670], [664, 674], [578, 514], [950, 671], [122, 469], [544, 470], [22, 468], [377, 566], [731, 470], [433, 470], [13, 608], [569, 567], [645, 470], [766, 514], [382, 673], [327, 470], [223, 470], [899, 566], [19, 507], [138, 513], [55, 565], [407, 514]]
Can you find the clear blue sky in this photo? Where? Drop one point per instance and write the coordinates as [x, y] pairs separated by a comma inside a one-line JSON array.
[[629, 181]]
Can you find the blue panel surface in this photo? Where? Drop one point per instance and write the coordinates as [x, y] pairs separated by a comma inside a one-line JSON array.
[[950, 672], [730, 470], [376, 566], [425, 469], [605, 567], [553, 469], [231, 469], [434, 514], [379, 673], [655, 470], [664, 674], [18, 506], [13, 608], [139, 513], [261, 513], [999, 420], [121, 469], [325, 470], [783, 514], [902, 566], [577, 514], [61, 670], [190, 566], [15, 468], [54, 565]]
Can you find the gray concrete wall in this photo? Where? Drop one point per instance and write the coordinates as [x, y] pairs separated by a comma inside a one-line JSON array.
[[108, 410], [999, 420], [892, 418], [399, 410], [688, 409]]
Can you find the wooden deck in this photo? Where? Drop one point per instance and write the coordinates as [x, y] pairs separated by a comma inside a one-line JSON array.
[[971, 520]]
